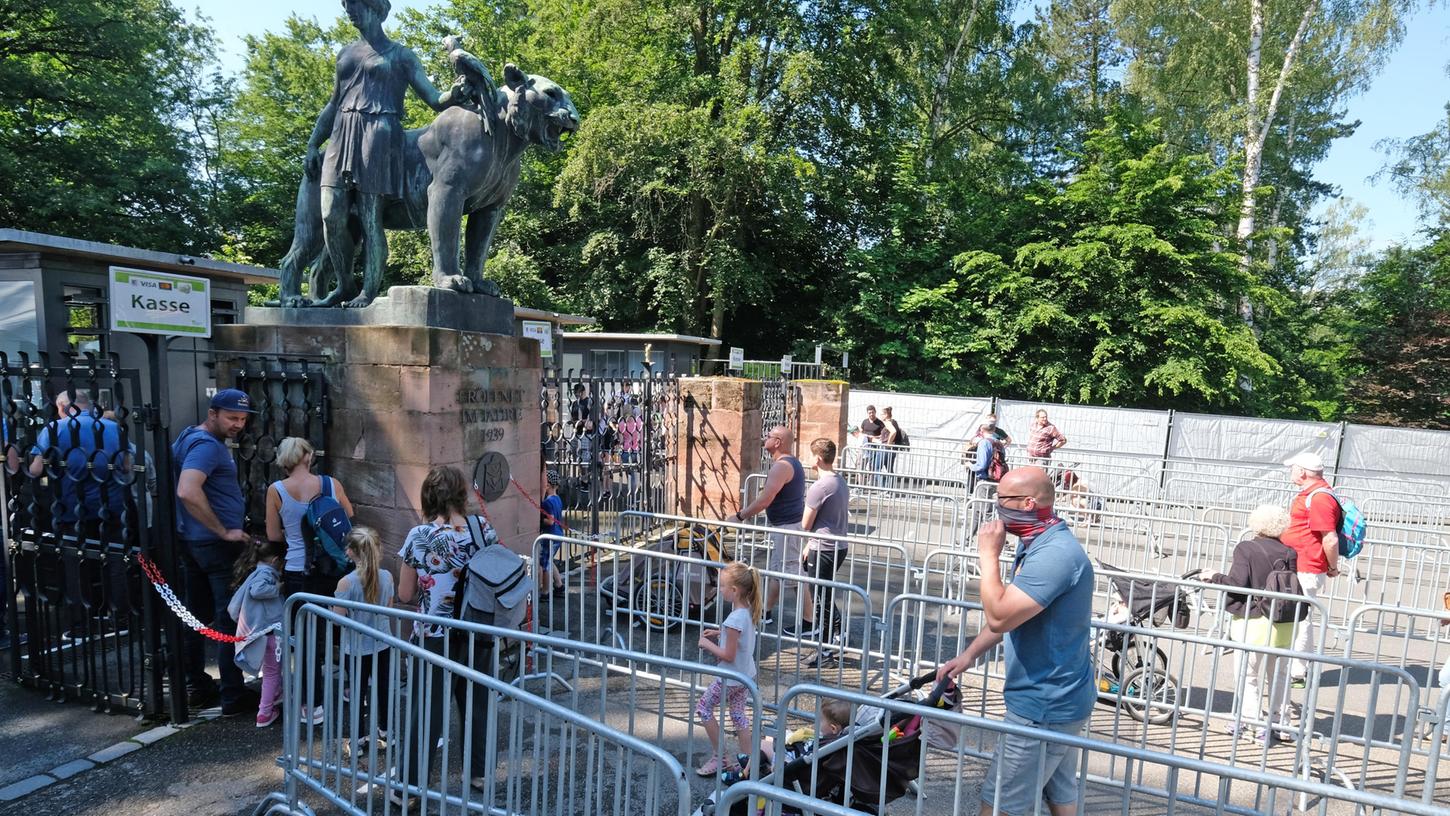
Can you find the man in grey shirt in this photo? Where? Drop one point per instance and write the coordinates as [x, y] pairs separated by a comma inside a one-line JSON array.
[[826, 513]]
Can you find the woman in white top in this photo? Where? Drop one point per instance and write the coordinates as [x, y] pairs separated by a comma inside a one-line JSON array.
[[287, 501]]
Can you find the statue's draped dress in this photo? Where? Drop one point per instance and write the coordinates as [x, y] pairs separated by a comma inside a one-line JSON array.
[[365, 150]]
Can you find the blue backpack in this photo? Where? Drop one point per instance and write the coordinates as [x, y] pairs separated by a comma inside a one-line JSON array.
[[1352, 525], [324, 528]]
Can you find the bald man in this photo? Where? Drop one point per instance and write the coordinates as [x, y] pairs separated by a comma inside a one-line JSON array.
[[1043, 615], [784, 501]]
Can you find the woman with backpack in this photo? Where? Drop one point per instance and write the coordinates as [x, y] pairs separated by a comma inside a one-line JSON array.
[[1264, 563], [294, 505]]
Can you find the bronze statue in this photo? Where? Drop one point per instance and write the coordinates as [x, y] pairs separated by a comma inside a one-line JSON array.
[[375, 175]]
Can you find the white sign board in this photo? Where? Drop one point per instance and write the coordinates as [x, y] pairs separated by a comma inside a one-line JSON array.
[[737, 358], [146, 302], [543, 331], [785, 366]]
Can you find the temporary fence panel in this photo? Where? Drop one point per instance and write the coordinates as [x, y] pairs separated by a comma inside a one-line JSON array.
[[1248, 443], [1081, 475], [898, 461], [862, 478], [652, 600], [1416, 640], [1089, 428], [1164, 689], [1407, 509], [759, 799], [912, 518], [517, 750], [1386, 456], [924, 414], [646, 696], [1111, 776]]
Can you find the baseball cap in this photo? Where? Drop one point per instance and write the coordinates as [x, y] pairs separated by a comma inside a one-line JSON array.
[[232, 399], [552, 477], [1306, 460]]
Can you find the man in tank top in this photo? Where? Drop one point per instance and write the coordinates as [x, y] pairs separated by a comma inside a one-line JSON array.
[[784, 501]]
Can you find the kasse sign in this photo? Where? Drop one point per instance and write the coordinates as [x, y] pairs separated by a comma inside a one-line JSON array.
[[145, 302]]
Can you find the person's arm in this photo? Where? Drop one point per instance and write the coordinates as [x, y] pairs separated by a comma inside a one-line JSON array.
[[321, 132], [1330, 542], [723, 652], [1058, 440], [1004, 436], [407, 584], [191, 495], [808, 517], [1324, 523], [424, 87], [37, 461], [343, 586], [275, 530], [341, 496], [779, 476], [1004, 607]]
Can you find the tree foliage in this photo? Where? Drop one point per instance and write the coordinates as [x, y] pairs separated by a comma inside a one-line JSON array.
[[966, 202]]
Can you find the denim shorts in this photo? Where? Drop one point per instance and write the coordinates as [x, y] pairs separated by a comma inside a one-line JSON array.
[[1024, 769]]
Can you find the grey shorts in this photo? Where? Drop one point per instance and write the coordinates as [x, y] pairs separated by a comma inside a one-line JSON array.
[[785, 550], [1025, 768]]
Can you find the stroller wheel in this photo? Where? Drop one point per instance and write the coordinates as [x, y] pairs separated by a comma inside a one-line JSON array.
[[1137, 653], [660, 603], [1149, 695]]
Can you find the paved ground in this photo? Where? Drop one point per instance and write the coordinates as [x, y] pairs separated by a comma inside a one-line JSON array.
[[37, 735]]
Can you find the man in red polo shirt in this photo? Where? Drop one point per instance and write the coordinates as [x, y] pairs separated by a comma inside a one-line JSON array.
[[1313, 533]]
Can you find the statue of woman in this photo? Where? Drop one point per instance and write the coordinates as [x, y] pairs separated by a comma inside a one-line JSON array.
[[363, 126]]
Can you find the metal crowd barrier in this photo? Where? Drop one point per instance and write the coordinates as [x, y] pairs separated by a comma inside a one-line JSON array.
[[863, 479], [1415, 640], [765, 800], [650, 602], [1356, 725], [906, 517], [516, 752], [1111, 776]]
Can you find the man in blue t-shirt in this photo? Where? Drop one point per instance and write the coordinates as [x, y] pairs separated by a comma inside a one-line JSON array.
[[1044, 616], [209, 515], [551, 522]]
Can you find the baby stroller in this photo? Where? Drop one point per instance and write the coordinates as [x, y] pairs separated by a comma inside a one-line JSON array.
[[662, 593], [869, 765], [1136, 669]]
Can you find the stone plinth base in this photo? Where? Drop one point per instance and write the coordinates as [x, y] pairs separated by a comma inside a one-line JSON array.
[[402, 306], [403, 399], [718, 444], [824, 408]]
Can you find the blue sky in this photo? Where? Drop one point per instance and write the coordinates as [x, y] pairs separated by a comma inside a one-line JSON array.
[[1406, 99]]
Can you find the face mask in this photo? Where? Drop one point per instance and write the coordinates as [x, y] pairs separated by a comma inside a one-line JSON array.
[[1025, 523]]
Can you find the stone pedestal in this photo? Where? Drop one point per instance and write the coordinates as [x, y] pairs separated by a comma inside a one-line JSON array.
[[718, 444], [825, 405], [404, 398]]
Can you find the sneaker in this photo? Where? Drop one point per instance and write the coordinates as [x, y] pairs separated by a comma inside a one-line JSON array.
[[824, 657], [811, 630], [1296, 682], [1236, 730], [1274, 737], [246, 703], [768, 619], [75, 634], [271, 715], [7, 641], [202, 698], [314, 715]]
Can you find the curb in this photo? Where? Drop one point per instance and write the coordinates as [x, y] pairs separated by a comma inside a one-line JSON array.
[[80, 765]]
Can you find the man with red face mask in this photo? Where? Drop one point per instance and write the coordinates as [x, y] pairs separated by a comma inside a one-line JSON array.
[[1044, 616]]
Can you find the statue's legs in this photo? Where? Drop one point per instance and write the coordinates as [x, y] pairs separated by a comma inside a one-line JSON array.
[[477, 239], [339, 242], [375, 247], [445, 222]]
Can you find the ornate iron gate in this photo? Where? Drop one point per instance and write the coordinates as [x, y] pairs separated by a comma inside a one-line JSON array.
[[780, 405], [611, 437], [87, 486]]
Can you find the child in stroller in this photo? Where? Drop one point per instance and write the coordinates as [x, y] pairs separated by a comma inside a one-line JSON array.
[[883, 760], [663, 593]]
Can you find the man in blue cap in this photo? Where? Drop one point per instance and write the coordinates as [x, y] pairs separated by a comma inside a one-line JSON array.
[[209, 514]]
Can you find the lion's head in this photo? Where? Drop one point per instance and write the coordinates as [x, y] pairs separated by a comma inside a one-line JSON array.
[[537, 110]]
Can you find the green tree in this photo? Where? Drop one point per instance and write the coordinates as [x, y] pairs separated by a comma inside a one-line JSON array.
[[105, 113]]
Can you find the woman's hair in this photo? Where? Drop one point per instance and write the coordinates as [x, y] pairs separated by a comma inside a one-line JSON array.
[[444, 491], [745, 580], [367, 551], [258, 551], [836, 712], [1269, 520], [292, 451]]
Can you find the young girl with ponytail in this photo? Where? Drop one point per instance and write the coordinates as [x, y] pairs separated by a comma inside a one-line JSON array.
[[740, 587], [364, 657]]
